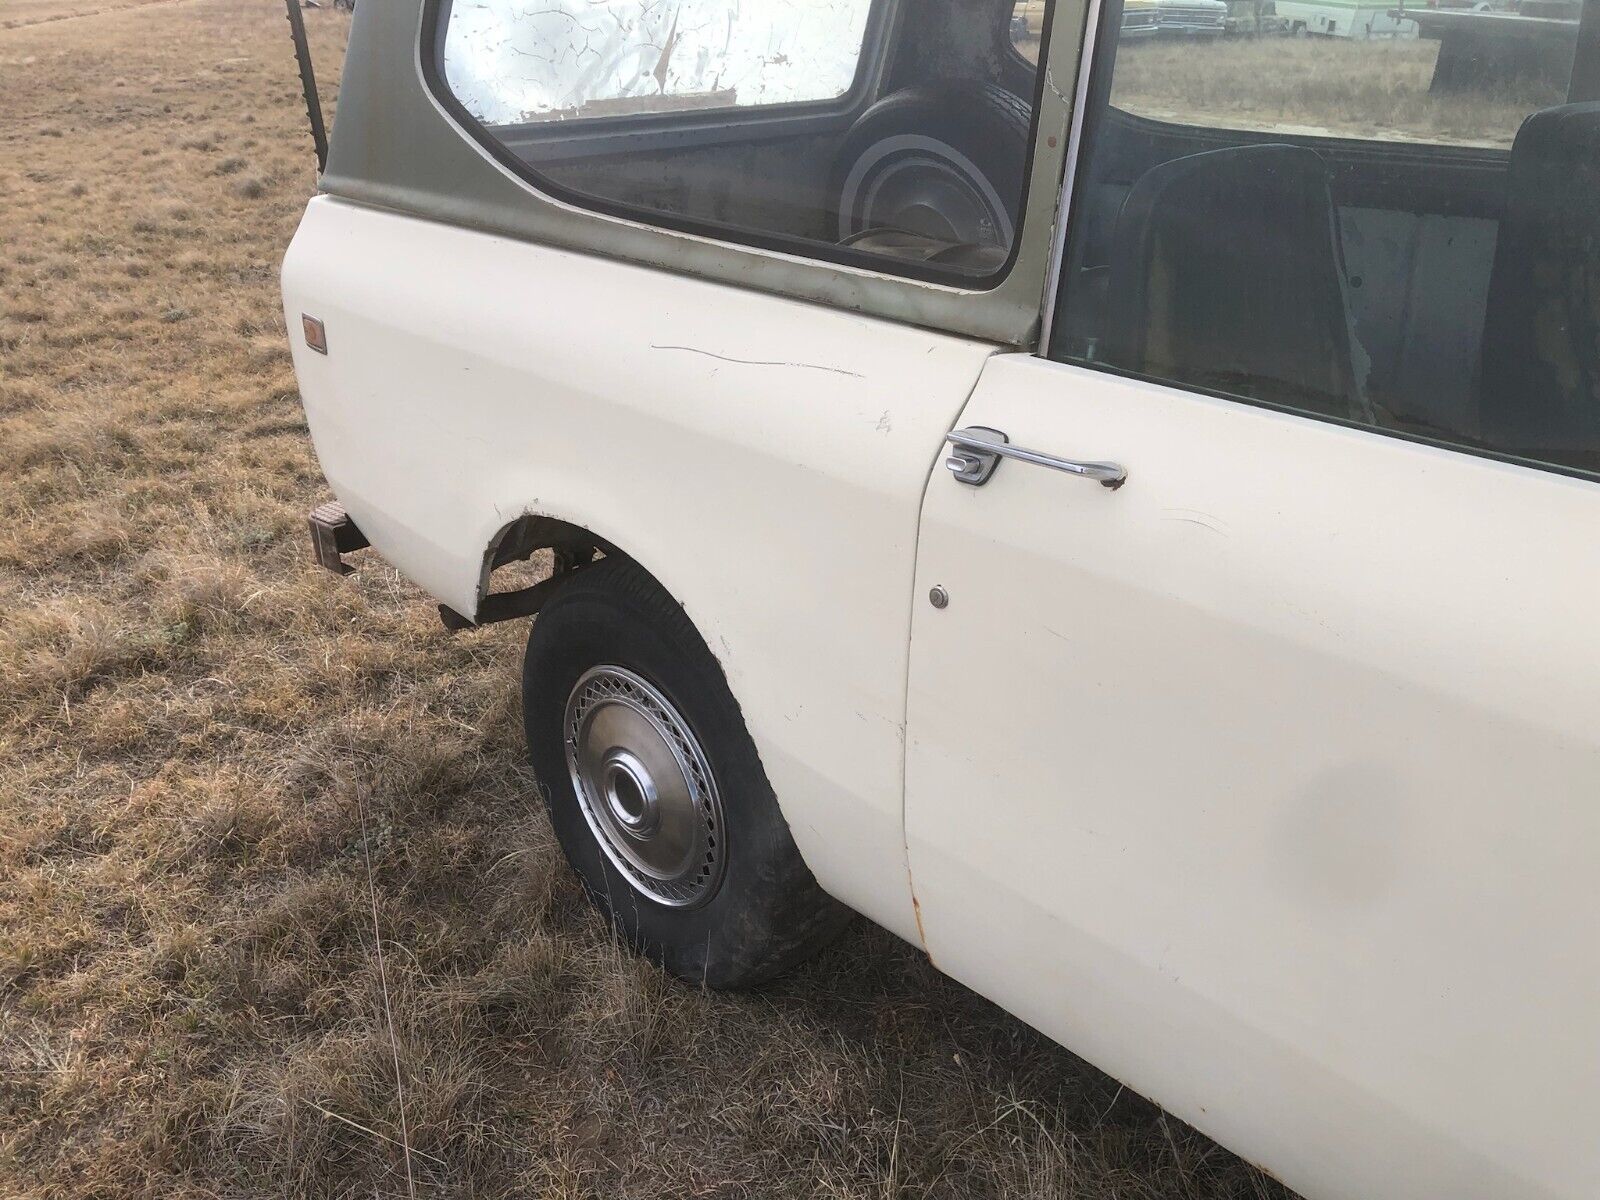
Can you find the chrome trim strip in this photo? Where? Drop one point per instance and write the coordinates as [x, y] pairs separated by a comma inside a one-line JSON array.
[[1058, 249]]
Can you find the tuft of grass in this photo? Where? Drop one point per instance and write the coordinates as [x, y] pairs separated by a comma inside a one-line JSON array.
[[194, 723]]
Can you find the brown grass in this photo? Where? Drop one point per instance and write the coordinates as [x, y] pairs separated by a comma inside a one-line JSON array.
[[16, 13], [195, 725]]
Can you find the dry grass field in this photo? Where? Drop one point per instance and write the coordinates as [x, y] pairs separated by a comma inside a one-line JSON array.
[[16, 13], [1376, 90], [222, 769]]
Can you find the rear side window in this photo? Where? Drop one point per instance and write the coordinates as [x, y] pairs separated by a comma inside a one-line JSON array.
[[510, 63], [1394, 223], [896, 136]]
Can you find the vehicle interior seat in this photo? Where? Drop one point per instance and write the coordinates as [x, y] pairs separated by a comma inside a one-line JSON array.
[[1228, 272], [1541, 340]]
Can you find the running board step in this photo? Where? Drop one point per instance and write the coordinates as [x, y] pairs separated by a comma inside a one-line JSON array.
[[333, 535]]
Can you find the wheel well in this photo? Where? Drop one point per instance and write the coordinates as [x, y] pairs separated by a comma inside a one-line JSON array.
[[573, 546], [518, 540]]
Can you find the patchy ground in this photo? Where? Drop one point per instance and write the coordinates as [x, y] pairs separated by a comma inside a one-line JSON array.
[[205, 745]]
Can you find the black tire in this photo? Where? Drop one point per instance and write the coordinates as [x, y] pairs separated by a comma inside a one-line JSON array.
[[765, 913], [974, 137]]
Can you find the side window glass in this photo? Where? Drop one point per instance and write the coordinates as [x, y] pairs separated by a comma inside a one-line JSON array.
[[512, 63], [896, 136], [1388, 215]]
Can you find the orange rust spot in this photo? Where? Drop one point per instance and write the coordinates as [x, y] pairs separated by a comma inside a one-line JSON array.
[[922, 934]]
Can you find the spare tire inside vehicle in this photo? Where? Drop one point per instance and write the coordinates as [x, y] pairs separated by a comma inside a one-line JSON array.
[[946, 165]]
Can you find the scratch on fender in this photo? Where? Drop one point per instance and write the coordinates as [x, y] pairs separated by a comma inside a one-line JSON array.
[[760, 362], [1190, 517]]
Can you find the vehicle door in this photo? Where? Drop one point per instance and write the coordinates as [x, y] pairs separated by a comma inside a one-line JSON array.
[[1253, 738]]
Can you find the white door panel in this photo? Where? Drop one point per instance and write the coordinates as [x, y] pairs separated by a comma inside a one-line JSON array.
[[1270, 781]]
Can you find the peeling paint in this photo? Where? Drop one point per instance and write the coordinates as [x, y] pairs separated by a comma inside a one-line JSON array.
[[922, 935], [1055, 89]]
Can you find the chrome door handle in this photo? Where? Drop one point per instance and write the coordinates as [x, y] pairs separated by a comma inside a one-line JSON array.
[[979, 449]]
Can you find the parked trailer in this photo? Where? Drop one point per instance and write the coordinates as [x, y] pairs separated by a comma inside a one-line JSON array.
[[1345, 19]]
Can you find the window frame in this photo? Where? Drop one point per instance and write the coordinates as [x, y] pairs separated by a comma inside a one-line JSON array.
[[1091, 68], [612, 134]]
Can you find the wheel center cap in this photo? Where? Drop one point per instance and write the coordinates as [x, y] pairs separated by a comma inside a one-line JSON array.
[[630, 794]]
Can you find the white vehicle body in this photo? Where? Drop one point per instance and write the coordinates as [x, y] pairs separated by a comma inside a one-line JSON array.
[[841, 438], [1306, 850], [1268, 782], [1333, 18]]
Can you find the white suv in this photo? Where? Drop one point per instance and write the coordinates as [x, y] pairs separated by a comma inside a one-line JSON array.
[[1152, 564]]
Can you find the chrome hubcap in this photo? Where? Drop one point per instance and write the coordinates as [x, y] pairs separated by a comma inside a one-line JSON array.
[[645, 787]]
